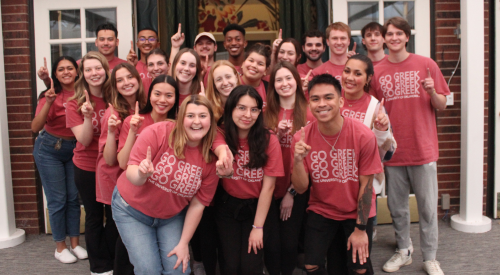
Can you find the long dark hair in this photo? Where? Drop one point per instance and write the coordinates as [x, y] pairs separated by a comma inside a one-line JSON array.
[[195, 87], [120, 104], [258, 137], [296, 45], [172, 113], [369, 68], [273, 100], [57, 84]]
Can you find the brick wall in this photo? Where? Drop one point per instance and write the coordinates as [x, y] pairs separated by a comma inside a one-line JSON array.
[[16, 35], [447, 49]]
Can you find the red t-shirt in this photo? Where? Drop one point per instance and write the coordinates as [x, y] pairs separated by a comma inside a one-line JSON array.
[[142, 68], [261, 89], [329, 68], [205, 78], [413, 117], [375, 63], [56, 118], [148, 120], [335, 174], [85, 157], [112, 64], [106, 175], [246, 183], [356, 108], [174, 182], [282, 183]]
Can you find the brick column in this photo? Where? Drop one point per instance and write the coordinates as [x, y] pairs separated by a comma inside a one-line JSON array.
[[16, 33]]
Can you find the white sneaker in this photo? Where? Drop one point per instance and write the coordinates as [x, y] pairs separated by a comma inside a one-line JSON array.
[[79, 252], [410, 248], [65, 256], [104, 273], [433, 268], [397, 261], [198, 268]]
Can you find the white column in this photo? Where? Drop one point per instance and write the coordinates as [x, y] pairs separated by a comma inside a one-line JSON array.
[[470, 218], [9, 234]]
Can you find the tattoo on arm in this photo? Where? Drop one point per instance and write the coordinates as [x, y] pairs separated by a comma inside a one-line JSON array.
[[365, 203]]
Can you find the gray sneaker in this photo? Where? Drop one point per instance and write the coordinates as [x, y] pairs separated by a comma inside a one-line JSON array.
[[397, 261], [433, 268]]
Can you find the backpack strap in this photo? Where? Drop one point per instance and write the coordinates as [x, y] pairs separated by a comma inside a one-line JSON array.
[[370, 112]]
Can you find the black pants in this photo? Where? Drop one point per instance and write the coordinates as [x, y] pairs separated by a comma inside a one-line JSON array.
[[122, 264], [100, 239], [282, 243], [205, 242], [234, 219]]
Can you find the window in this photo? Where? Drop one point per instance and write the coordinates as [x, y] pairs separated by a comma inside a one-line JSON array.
[[359, 13]]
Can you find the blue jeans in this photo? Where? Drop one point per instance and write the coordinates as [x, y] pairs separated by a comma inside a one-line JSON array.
[[148, 240], [56, 172]]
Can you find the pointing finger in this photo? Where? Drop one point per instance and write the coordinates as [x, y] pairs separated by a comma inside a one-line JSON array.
[[137, 108], [148, 154], [206, 61], [202, 88], [45, 62], [429, 73], [354, 47], [308, 74], [179, 29], [280, 34], [87, 98], [51, 84], [111, 108], [132, 46], [302, 134], [381, 107]]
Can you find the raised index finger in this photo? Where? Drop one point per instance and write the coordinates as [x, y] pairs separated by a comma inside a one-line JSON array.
[[302, 134], [279, 35], [136, 108], [179, 29], [308, 74], [354, 47], [132, 46], [148, 154], [45, 62], [110, 106], [381, 107], [87, 98], [202, 88], [429, 73], [51, 84]]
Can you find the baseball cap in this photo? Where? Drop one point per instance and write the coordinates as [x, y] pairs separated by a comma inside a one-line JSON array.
[[207, 34]]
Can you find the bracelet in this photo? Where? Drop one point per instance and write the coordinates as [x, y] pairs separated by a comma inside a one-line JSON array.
[[224, 177], [292, 191], [361, 227], [433, 92], [257, 227]]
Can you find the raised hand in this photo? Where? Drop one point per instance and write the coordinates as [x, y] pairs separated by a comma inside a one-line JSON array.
[[136, 120], [352, 52], [113, 121], [301, 148], [43, 72], [202, 89], [50, 94], [225, 164], [177, 39], [87, 109], [428, 83], [132, 56], [146, 168], [305, 80], [283, 128], [277, 42], [382, 121]]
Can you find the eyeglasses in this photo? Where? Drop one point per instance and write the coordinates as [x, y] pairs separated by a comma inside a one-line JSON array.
[[144, 39], [244, 109]]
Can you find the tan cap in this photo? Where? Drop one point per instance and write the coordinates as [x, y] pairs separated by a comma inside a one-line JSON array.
[[207, 34]]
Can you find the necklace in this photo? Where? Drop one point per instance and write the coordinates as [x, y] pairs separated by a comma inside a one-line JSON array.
[[333, 146], [350, 104]]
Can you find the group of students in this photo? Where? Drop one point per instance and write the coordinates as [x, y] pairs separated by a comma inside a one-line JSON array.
[[246, 160]]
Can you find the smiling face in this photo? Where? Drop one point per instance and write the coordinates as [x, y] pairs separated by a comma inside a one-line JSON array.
[[284, 83], [314, 48], [325, 102], [225, 80], [245, 114], [373, 41], [185, 70], [162, 98], [146, 46], [254, 67], [354, 77], [106, 42], [288, 53], [196, 123], [94, 73], [157, 65], [338, 41], [395, 39], [205, 47], [66, 72], [235, 43], [126, 84]]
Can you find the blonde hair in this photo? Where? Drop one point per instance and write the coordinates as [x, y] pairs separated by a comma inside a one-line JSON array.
[[178, 137], [81, 84], [212, 93]]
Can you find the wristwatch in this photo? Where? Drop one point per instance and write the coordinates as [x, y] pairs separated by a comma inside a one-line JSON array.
[[361, 227], [292, 191]]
